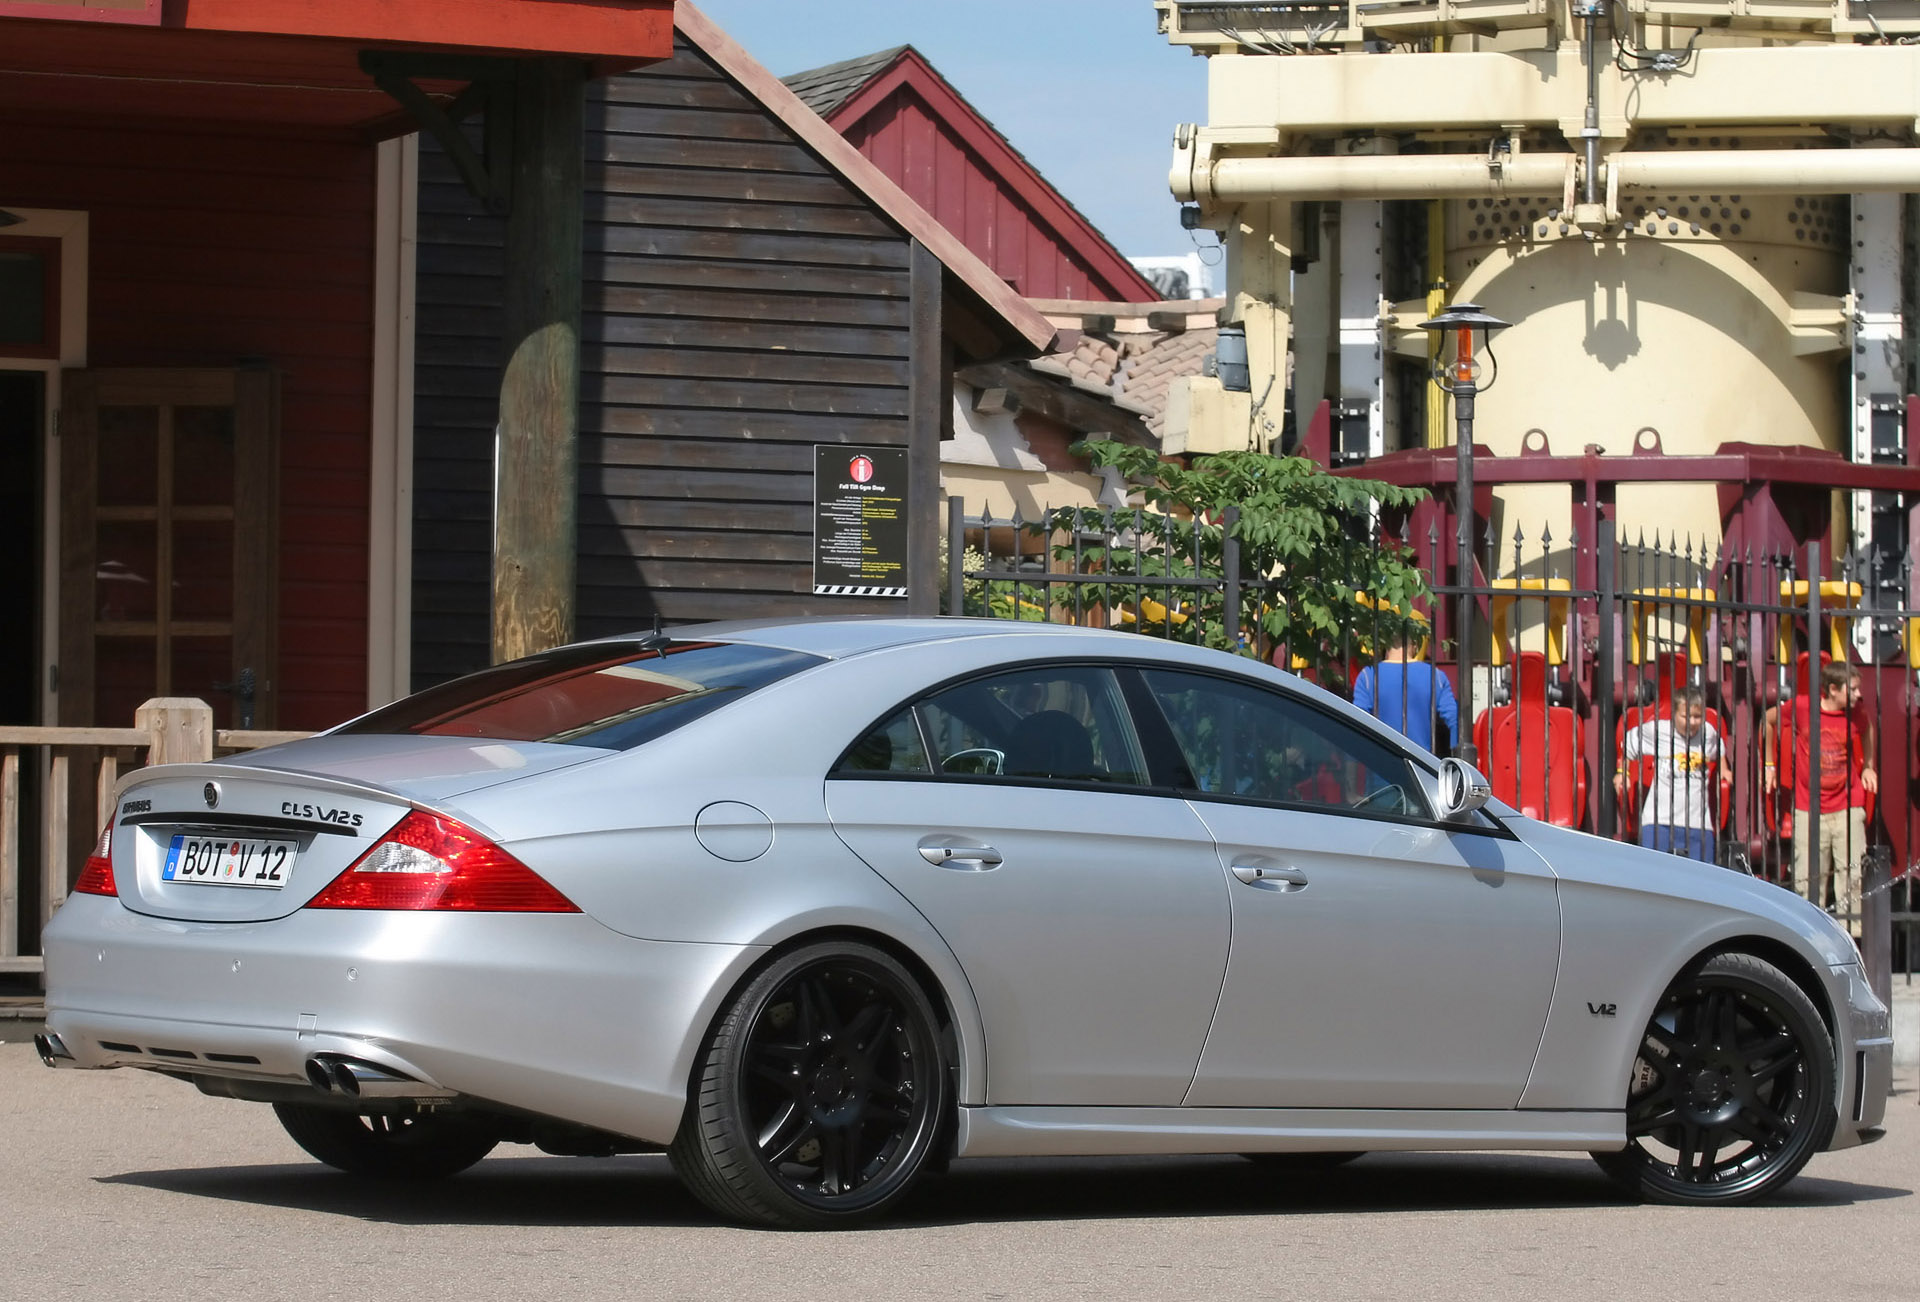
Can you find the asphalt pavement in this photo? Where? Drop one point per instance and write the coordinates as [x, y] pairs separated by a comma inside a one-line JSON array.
[[122, 1185]]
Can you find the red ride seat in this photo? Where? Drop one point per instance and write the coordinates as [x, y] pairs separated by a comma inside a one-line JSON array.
[[1531, 751]]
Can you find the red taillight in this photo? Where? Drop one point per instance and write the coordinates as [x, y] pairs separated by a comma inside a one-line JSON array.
[[431, 862], [96, 878]]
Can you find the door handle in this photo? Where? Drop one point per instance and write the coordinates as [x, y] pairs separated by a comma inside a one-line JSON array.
[[1251, 871], [943, 852]]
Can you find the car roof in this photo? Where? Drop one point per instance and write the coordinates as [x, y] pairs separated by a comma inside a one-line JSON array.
[[837, 636]]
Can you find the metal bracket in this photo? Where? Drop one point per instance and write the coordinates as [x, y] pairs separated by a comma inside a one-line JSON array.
[[487, 172]]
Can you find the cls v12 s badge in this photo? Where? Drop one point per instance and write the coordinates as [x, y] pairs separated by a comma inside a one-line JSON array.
[[1603, 1010], [338, 817]]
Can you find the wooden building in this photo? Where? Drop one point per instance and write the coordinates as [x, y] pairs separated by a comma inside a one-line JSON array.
[[753, 287], [199, 263]]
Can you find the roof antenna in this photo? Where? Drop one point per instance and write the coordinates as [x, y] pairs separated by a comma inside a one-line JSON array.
[[657, 640]]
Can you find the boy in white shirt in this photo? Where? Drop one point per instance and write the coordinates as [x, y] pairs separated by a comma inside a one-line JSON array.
[[1688, 761]]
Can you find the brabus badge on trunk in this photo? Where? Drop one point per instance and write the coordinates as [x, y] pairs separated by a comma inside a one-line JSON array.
[[212, 793]]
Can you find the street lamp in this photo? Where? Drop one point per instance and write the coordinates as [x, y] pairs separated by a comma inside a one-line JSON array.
[[1470, 328]]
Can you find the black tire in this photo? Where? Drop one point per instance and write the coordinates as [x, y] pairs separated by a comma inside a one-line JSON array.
[[402, 1145], [820, 1095], [1300, 1163], [1733, 1090]]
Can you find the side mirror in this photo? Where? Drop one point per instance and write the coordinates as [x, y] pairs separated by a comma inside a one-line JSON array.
[[1463, 789]]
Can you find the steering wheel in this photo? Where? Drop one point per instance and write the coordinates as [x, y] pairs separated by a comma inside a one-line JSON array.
[[1382, 800], [978, 760]]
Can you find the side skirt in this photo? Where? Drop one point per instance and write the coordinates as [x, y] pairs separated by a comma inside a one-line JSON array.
[[1106, 1132]]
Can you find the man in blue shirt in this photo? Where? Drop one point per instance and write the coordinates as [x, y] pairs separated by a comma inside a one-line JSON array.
[[1405, 692]]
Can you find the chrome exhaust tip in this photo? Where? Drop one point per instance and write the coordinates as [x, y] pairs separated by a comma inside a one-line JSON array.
[[52, 1049], [355, 1079], [319, 1076], [344, 1078]]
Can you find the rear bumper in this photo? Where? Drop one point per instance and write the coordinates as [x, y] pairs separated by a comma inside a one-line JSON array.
[[552, 1013]]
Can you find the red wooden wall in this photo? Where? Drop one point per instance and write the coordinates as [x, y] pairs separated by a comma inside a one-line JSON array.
[[210, 248], [953, 165]]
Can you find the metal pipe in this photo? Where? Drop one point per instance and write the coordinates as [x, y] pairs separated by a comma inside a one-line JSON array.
[[1463, 176], [1410, 176], [1773, 171], [52, 1050], [1590, 130]]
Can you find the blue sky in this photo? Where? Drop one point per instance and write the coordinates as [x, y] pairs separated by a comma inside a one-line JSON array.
[[1086, 89]]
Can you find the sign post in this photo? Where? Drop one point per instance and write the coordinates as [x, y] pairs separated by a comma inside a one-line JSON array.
[[859, 521]]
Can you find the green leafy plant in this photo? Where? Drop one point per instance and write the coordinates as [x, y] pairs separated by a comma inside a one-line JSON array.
[[1315, 578], [998, 598]]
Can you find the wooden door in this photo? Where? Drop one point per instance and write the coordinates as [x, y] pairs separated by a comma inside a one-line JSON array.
[[169, 542]]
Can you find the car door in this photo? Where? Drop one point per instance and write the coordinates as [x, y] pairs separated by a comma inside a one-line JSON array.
[[1090, 913], [1380, 958]]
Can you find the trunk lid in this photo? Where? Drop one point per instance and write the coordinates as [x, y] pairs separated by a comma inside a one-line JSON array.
[[423, 768], [294, 817]]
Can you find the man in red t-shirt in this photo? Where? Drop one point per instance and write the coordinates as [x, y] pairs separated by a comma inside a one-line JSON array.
[[1847, 778]]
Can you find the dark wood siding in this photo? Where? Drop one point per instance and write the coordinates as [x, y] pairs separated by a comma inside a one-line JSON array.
[[742, 303], [208, 249]]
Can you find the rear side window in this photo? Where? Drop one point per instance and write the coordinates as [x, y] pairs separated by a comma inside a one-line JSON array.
[[607, 695], [1058, 723], [891, 747]]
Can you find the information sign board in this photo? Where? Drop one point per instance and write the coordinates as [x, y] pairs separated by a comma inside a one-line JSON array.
[[859, 521]]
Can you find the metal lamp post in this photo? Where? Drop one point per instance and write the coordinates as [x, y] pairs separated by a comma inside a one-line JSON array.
[[1470, 328]]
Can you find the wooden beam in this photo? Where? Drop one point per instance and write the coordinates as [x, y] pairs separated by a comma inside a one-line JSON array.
[[535, 476], [930, 408], [635, 29], [1057, 399]]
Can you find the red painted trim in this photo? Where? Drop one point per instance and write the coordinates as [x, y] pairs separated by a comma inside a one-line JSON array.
[[911, 71], [807, 126], [631, 29], [132, 13]]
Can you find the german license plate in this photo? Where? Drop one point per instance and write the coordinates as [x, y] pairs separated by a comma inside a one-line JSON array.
[[229, 861]]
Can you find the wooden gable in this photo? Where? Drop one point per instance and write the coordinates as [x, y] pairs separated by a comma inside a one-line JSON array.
[[903, 116]]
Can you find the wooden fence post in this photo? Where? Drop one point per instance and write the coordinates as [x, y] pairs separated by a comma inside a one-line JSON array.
[[179, 729]]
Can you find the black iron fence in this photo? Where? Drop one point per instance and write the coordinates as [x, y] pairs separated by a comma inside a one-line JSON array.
[[1755, 710]]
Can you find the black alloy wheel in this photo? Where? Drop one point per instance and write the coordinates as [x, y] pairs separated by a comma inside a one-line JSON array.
[[406, 1144], [1733, 1089], [821, 1094]]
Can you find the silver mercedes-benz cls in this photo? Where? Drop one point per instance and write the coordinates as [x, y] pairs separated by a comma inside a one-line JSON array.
[[815, 906]]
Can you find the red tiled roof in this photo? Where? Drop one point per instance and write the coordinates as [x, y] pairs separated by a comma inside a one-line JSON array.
[[1134, 364], [1151, 368]]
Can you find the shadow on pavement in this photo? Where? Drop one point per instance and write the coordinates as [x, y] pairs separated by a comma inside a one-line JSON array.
[[642, 1191]]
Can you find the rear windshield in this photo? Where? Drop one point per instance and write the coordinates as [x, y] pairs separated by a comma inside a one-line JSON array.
[[608, 695]]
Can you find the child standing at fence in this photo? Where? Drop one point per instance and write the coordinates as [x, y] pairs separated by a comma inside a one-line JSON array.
[[1677, 815], [1405, 692]]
